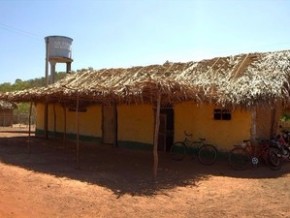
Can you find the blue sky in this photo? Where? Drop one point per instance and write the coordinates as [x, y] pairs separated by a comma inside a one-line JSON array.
[[125, 33]]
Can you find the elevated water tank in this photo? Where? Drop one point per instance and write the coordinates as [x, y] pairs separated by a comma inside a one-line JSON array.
[[59, 48]]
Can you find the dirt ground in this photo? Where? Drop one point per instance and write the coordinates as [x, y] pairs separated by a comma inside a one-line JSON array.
[[115, 182]]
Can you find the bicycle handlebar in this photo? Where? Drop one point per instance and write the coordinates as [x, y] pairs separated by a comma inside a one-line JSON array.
[[188, 134]]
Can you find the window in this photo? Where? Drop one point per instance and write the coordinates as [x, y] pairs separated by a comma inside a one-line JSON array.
[[222, 114]]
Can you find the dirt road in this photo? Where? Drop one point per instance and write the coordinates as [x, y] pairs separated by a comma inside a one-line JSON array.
[[115, 182]]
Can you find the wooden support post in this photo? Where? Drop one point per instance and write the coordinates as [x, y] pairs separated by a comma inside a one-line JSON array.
[[254, 126], [29, 127], [155, 145], [78, 133], [46, 120], [4, 118], [277, 110], [273, 121], [54, 121], [64, 127]]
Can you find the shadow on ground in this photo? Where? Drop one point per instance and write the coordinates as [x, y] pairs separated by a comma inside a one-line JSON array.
[[121, 170]]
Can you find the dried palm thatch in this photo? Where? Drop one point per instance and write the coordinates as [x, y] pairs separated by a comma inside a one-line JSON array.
[[4, 105], [244, 80]]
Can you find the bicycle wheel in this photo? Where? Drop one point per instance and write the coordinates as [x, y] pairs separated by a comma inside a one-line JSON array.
[[239, 159], [207, 154], [274, 161], [177, 151]]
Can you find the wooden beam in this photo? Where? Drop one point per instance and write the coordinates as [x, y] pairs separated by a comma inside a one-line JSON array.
[[240, 66], [54, 120], [273, 121], [254, 125], [155, 144], [78, 132], [46, 120], [29, 128], [64, 126]]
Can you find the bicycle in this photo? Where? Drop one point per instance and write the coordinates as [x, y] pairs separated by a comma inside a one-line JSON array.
[[245, 154], [206, 153], [280, 146]]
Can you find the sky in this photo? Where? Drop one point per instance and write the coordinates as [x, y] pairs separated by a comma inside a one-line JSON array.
[[127, 33]]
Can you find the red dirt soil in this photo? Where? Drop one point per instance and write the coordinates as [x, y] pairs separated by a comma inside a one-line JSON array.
[[115, 182]]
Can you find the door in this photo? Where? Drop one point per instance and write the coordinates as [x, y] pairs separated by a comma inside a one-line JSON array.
[[162, 133], [166, 129], [109, 124]]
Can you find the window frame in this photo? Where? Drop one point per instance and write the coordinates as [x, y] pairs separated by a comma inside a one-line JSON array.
[[222, 114]]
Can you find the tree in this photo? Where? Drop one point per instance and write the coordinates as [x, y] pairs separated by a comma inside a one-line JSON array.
[[18, 81], [23, 108]]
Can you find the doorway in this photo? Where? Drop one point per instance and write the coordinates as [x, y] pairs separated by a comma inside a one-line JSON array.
[[166, 129], [109, 124]]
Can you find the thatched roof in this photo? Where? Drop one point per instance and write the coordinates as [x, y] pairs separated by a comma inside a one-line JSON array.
[[4, 105], [245, 79]]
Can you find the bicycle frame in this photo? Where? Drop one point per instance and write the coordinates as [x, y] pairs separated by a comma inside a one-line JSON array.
[[206, 153], [252, 153], [257, 151], [189, 143]]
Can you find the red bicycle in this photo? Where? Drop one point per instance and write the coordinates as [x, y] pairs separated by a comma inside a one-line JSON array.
[[246, 154]]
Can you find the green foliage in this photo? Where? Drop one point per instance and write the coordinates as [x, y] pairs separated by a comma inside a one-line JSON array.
[[23, 107], [22, 112], [21, 85], [5, 87], [285, 118]]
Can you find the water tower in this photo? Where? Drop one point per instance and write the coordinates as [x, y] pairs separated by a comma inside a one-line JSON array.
[[58, 50]]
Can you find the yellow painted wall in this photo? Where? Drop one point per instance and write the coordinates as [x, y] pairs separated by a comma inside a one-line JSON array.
[[39, 119], [268, 120], [89, 121], [198, 119], [264, 122], [136, 123]]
